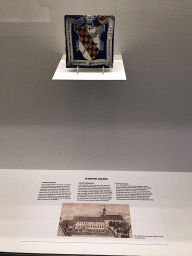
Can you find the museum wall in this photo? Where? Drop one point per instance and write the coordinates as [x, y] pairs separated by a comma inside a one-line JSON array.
[[141, 124]]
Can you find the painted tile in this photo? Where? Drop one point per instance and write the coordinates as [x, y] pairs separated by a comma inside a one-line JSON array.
[[89, 41]]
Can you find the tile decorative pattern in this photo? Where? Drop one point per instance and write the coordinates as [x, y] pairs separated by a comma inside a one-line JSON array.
[[89, 41]]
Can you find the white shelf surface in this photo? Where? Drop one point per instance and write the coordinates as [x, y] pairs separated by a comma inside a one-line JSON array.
[[174, 192], [115, 73]]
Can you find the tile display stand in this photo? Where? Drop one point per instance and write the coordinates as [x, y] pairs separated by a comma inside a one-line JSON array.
[[115, 73]]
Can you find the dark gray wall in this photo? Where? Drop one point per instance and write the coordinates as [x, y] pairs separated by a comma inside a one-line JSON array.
[[143, 123]]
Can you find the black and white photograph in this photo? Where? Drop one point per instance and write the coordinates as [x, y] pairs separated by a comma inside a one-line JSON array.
[[95, 220]]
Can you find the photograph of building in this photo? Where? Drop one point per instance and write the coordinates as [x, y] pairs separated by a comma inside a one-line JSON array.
[[110, 220]]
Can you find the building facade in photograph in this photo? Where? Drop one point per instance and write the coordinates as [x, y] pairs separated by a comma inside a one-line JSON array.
[[108, 225]]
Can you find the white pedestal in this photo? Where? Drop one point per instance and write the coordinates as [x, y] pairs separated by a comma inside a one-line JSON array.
[[115, 73]]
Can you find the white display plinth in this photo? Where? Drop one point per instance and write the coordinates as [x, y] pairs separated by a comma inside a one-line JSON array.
[[115, 73]]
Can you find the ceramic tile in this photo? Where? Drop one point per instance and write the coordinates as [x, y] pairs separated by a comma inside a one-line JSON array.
[[89, 41]]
